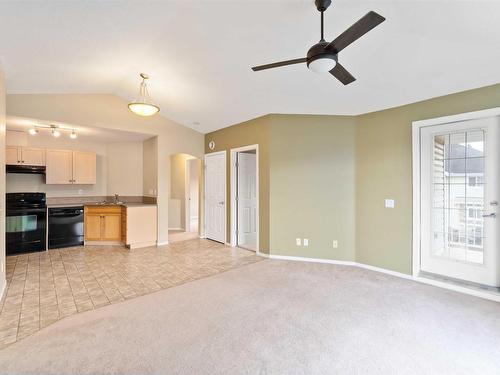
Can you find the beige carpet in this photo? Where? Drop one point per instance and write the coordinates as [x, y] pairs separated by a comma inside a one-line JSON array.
[[274, 317]]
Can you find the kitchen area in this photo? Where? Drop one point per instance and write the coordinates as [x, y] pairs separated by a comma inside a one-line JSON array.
[[71, 186]]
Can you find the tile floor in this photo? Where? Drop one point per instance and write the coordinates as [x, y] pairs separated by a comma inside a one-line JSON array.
[[45, 287], [180, 235]]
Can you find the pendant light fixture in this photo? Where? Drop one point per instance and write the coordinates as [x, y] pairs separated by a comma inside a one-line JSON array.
[[143, 106]]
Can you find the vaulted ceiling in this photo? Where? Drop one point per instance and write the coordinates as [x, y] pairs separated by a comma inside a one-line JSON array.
[[199, 53]]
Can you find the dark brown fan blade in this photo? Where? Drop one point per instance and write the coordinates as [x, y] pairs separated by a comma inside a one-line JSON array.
[[356, 31], [278, 64], [342, 74]]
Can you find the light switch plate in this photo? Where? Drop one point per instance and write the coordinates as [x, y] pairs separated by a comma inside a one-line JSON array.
[[298, 242], [335, 244], [306, 242], [389, 203]]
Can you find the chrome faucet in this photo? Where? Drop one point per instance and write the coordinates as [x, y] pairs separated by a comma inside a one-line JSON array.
[[117, 198]]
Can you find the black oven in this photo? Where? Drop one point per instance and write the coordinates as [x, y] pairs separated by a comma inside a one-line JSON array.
[[26, 222]]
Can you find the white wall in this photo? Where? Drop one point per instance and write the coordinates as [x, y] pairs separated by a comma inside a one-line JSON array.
[[150, 167], [125, 168], [2, 184], [36, 182]]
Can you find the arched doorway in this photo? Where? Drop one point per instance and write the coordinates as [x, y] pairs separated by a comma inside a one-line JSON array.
[[184, 202]]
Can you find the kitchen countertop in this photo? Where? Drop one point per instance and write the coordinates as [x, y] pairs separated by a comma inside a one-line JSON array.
[[62, 205]]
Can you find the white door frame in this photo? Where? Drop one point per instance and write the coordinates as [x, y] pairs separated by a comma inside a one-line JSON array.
[[204, 190], [234, 173], [187, 195], [416, 146]]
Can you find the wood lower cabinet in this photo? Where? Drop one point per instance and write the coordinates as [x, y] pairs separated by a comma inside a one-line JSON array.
[[103, 224], [111, 230], [135, 225], [93, 227]]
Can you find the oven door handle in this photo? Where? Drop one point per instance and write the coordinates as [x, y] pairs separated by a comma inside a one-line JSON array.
[[27, 211]]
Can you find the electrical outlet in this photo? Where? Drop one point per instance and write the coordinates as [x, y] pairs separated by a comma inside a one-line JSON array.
[[335, 244], [298, 242], [306, 242], [389, 203]]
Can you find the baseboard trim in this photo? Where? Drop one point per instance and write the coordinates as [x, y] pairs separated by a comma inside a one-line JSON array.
[[175, 228], [162, 243], [140, 245], [384, 270], [312, 260], [440, 284]]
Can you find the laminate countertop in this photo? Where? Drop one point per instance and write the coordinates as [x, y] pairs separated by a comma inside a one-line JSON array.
[[95, 204]]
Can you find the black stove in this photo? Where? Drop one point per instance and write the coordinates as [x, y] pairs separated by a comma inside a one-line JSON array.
[[26, 222]]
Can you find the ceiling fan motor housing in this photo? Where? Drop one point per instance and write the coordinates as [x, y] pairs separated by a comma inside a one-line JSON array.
[[323, 5], [319, 51]]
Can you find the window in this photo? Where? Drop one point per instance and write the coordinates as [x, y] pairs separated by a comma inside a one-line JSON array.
[[458, 195], [475, 181]]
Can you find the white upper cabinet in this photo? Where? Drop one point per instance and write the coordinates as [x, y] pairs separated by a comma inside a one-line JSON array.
[[24, 156], [84, 167], [12, 155], [63, 167], [59, 167], [33, 156], [70, 167]]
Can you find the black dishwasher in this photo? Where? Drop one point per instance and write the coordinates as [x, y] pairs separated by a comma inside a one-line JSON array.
[[65, 227]]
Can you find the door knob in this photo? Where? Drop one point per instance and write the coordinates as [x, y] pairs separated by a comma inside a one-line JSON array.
[[493, 215]]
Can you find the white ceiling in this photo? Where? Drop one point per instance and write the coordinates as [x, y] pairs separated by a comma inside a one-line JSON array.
[[199, 53], [85, 133]]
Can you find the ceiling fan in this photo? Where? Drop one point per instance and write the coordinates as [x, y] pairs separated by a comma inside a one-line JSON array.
[[323, 56]]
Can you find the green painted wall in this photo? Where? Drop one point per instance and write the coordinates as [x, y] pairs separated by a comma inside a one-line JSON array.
[[326, 178], [248, 133], [315, 156], [384, 170], [312, 164]]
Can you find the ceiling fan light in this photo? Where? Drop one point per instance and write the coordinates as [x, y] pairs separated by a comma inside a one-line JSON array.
[[33, 131], [56, 133], [73, 135], [143, 109], [322, 64]]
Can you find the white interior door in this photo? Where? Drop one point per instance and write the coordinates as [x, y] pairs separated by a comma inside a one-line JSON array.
[[459, 200], [247, 200], [215, 196]]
